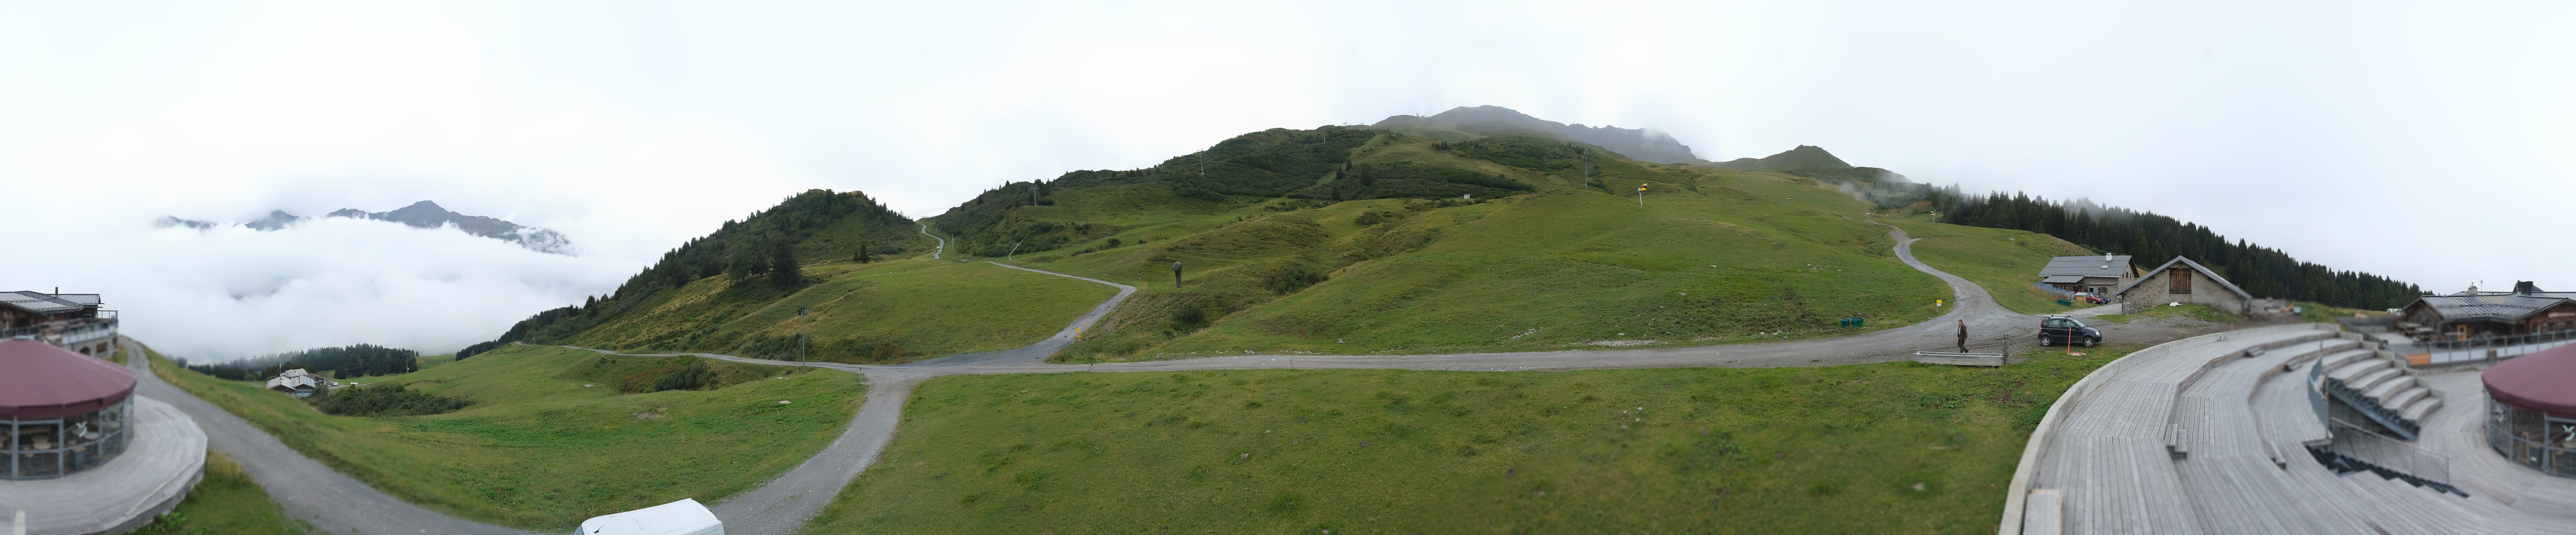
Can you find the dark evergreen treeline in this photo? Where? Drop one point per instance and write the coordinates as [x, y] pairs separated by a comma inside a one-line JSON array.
[[768, 244], [2154, 239], [362, 360]]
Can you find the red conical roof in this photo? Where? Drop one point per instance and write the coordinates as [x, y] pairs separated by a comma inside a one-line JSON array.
[[2543, 381], [41, 382]]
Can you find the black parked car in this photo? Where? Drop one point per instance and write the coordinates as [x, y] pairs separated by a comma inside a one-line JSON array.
[[2057, 330]]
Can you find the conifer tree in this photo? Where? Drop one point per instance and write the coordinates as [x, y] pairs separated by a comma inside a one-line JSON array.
[[782, 265]]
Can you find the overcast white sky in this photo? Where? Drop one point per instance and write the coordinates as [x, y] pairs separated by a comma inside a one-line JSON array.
[[2426, 141]]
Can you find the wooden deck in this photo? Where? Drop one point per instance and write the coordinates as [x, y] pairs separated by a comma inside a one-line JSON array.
[[2238, 424], [162, 461]]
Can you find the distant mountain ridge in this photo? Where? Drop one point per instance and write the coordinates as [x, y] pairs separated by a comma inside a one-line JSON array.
[[423, 214], [1634, 143], [427, 214]]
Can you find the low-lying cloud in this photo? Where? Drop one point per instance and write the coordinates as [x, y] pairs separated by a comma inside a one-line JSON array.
[[230, 291]]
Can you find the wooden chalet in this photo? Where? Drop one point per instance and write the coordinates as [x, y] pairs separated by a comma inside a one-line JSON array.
[[2476, 314], [2093, 274]]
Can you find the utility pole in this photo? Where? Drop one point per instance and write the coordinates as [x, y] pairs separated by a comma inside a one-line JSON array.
[[801, 339]]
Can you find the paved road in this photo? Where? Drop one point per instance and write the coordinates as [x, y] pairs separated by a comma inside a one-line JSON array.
[[307, 489], [339, 504], [943, 242]]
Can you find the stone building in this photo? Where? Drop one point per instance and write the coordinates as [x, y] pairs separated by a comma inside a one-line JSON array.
[[2183, 281]]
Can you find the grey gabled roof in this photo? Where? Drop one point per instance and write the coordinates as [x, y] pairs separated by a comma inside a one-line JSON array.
[[2062, 278], [2492, 306], [2195, 266], [2086, 266], [39, 302]]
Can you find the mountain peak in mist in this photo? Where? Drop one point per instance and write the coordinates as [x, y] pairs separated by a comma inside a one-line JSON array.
[[1810, 159], [277, 219], [1635, 143], [427, 214]]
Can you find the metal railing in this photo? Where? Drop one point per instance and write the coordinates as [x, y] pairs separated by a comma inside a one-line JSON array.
[[66, 331], [46, 449], [2483, 349], [2321, 385], [2553, 454], [2355, 449]]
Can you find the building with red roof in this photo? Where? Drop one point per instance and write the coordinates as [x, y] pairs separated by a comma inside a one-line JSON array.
[[2531, 410]]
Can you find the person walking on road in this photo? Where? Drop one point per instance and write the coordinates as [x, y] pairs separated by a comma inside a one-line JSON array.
[[1963, 336]]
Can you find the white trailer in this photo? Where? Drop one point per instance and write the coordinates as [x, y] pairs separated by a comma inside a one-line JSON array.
[[684, 517]]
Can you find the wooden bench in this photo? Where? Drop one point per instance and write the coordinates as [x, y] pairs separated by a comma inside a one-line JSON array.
[[1960, 359]]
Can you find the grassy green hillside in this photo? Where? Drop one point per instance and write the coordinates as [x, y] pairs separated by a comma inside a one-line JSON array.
[[1331, 240], [1881, 448], [2004, 261], [770, 248], [1714, 256], [551, 438], [861, 313]]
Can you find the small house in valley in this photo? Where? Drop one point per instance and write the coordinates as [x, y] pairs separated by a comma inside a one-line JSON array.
[[299, 383], [2095, 274], [2183, 281]]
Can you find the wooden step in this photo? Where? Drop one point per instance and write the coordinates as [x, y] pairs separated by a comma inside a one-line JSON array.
[[2340, 358], [2372, 380], [2404, 397], [2349, 372], [2310, 351], [2390, 387], [2422, 407]]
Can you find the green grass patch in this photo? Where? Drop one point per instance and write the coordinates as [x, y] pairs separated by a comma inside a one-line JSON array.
[[1751, 257], [1693, 450], [226, 502], [432, 361], [2005, 262], [540, 450], [880, 312]]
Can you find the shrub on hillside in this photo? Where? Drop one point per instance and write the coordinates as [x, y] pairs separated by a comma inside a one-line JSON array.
[[396, 400], [1291, 280], [694, 376], [1373, 217], [1188, 318]]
